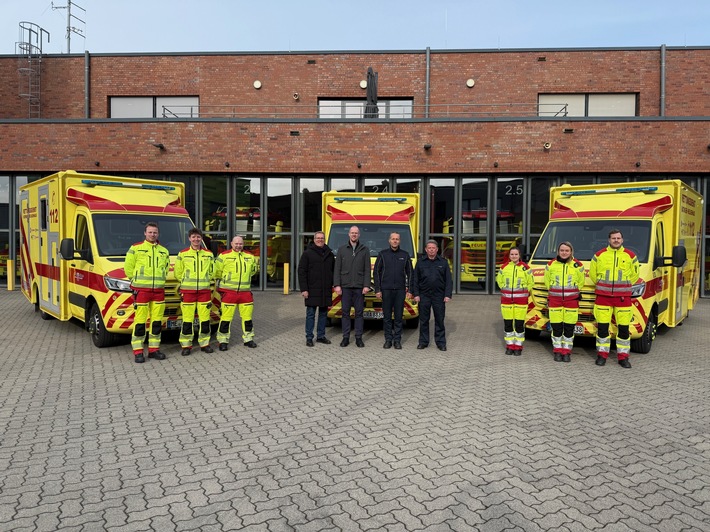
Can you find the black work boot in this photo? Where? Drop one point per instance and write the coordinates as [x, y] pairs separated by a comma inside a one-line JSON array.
[[157, 355]]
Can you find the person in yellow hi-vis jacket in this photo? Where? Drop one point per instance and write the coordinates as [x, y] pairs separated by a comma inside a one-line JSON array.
[[194, 270], [233, 271], [147, 265], [564, 278], [515, 281], [614, 270]]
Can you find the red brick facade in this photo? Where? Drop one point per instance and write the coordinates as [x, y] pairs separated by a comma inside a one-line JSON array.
[[63, 138]]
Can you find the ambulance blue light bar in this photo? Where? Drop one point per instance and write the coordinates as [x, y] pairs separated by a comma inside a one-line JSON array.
[[609, 191], [148, 186], [352, 198]]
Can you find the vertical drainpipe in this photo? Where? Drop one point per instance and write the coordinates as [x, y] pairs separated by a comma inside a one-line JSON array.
[[663, 81], [426, 88], [87, 85]]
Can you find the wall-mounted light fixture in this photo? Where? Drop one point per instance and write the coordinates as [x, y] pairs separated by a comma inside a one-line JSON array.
[[542, 58], [495, 164], [547, 146], [296, 96], [159, 145], [708, 147], [427, 147], [363, 84], [359, 165], [257, 84], [638, 163], [226, 164], [568, 130], [97, 163], [470, 82], [294, 133]]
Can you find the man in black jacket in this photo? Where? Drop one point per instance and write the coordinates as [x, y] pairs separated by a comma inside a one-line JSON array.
[[352, 281], [393, 271], [432, 288], [315, 278]]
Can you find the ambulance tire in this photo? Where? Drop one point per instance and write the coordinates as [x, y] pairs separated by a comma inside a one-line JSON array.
[[42, 313], [643, 344], [99, 335], [412, 323], [532, 334]]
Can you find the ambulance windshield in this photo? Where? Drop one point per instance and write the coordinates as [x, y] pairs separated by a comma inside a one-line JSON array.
[[588, 237], [374, 236], [116, 232]]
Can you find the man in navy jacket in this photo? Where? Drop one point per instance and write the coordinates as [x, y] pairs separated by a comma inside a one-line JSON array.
[[432, 288], [392, 274]]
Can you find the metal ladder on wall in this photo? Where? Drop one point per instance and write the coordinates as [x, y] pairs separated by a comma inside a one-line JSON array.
[[29, 51]]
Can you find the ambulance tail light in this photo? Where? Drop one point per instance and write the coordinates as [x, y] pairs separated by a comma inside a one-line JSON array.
[[117, 285], [638, 289]]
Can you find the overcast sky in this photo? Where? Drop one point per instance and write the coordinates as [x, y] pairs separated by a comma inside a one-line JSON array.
[[114, 26]]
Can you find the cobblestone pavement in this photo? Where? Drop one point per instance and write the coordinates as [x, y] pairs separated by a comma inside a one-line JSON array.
[[286, 437]]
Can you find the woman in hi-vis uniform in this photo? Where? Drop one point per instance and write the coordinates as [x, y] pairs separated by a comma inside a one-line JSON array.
[[515, 281], [564, 278]]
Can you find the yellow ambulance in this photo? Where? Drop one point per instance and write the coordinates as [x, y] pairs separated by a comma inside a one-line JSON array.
[[661, 222], [75, 231], [377, 214]]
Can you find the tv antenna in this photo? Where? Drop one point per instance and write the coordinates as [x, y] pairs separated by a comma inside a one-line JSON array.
[[70, 21]]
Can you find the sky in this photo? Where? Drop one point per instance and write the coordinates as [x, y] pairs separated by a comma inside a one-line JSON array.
[[155, 26]]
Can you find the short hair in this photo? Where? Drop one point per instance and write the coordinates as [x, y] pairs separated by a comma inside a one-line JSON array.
[[319, 233], [614, 231], [151, 224], [432, 242], [565, 243], [395, 233], [194, 231]]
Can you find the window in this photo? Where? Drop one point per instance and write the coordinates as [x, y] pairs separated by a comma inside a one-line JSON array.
[[559, 105], [355, 109], [154, 106]]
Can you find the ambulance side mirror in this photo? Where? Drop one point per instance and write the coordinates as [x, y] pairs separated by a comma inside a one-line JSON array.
[[679, 256], [66, 248]]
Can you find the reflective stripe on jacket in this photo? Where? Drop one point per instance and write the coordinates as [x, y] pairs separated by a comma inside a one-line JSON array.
[[194, 269], [147, 265], [515, 282], [564, 280], [614, 271], [234, 270]]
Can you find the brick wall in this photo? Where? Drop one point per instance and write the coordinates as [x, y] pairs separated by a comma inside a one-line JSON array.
[[64, 140], [337, 148]]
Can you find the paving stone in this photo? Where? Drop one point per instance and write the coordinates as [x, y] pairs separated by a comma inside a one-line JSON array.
[[336, 439]]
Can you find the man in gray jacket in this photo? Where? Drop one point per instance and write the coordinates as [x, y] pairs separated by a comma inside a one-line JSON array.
[[352, 281]]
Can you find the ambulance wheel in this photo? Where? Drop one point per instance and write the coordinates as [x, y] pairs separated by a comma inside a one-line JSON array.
[[42, 313], [532, 334], [412, 323], [99, 335], [643, 344]]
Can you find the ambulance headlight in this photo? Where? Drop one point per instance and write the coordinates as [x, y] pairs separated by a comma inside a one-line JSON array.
[[117, 285], [638, 289]]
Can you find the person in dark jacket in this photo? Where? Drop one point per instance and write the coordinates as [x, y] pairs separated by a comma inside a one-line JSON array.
[[432, 288], [352, 281], [393, 271], [315, 278]]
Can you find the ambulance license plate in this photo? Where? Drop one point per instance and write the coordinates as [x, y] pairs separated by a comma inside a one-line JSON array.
[[174, 324], [372, 314], [579, 329]]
